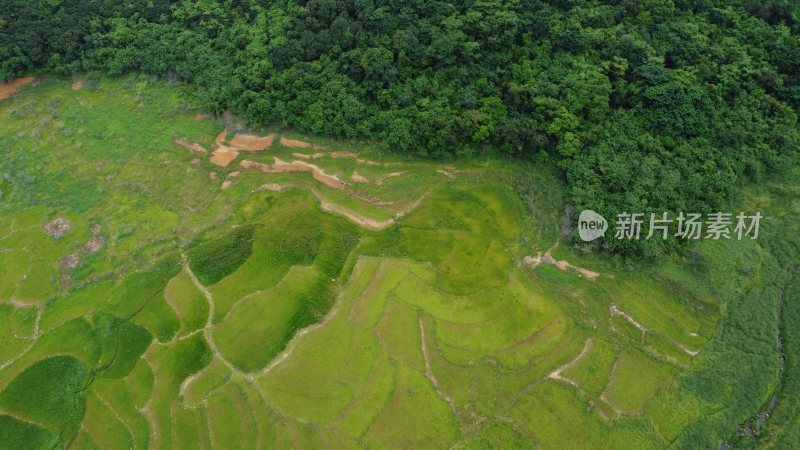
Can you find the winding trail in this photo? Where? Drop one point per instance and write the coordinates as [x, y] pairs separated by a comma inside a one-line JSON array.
[[429, 372], [556, 374], [547, 258]]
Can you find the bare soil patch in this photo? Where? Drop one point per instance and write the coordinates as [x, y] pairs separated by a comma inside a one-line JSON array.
[[193, 147], [69, 262], [57, 228], [547, 258], [251, 143], [556, 374], [274, 187], [281, 166], [11, 88], [345, 154], [292, 143], [94, 244], [220, 139], [366, 222], [77, 85], [308, 155], [223, 156], [201, 116], [226, 153], [358, 178], [446, 173], [229, 179]]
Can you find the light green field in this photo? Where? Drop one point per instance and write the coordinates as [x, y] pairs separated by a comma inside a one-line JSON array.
[[252, 317]]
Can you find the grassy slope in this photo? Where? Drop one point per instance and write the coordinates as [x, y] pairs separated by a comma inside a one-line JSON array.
[[435, 331]]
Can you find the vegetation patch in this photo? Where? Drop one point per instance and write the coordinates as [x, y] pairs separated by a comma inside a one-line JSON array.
[[214, 260], [50, 392]]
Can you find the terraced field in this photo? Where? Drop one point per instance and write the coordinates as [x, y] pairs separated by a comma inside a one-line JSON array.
[[303, 293]]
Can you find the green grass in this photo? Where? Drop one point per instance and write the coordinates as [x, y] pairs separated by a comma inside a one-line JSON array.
[[51, 393], [250, 344], [593, 371], [15, 434], [403, 424], [188, 303], [427, 334], [634, 380], [213, 260], [500, 435]]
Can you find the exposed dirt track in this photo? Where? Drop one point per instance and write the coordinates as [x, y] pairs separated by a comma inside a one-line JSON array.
[[292, 143], [547, 258], [11, 88], [361, 220], [224, 154], [358, 178], [308, 155], [556, 374], [251, 143], [281, 166], [193, 147], [344, 154]]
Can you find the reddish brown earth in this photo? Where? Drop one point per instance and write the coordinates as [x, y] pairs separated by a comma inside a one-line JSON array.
[[250, 143], [11, 88], [291, 143]]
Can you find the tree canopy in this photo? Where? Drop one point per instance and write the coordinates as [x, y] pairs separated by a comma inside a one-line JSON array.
[[646, 105]]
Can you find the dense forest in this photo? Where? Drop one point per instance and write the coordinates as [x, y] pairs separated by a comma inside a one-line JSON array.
[[645, 105]]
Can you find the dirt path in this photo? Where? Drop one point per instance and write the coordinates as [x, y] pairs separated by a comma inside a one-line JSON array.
[[251, 143], [281, 166], [344, 154], [359, 219], [116, 414], [36, 334], [148, 413], [429, 373], [287, 352], [547, 258], [308, 155], [193, 147], [224, 154], [556, 374], [9, 89], [616, 312], [358, 178], [208, 328], [292, 143]]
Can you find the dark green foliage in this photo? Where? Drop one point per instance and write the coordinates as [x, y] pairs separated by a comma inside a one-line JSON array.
[[742, 364], [50, 392], [15, 434], [652, 106], [123, 344], [214, 260]]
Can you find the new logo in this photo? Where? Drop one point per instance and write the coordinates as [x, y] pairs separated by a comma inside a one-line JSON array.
[[591, 225]]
